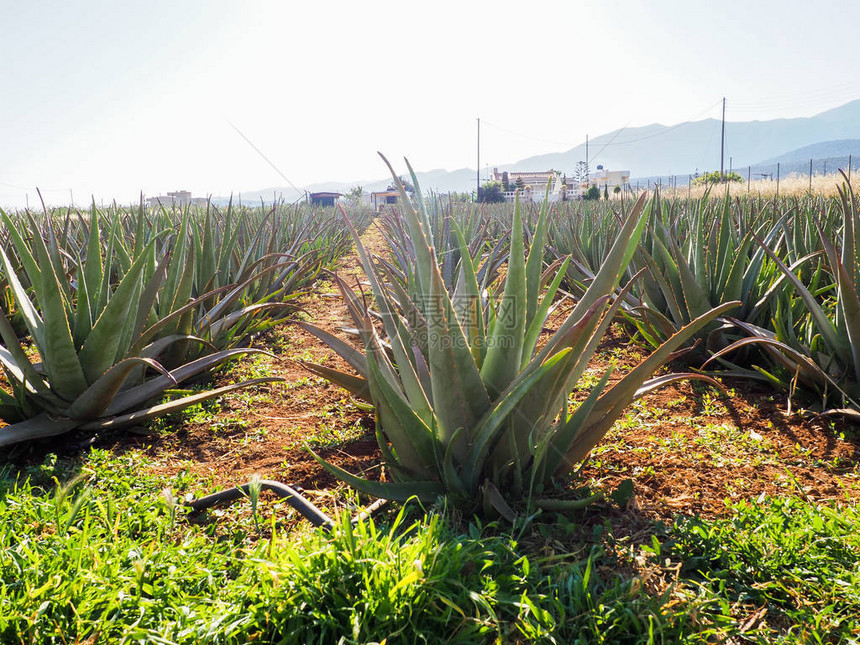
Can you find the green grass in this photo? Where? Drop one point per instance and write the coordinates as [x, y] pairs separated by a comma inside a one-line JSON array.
[[109, 556], [794, 562]]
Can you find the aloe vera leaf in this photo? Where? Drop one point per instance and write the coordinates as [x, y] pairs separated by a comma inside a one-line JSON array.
[[83, 322], [355, 357], [532, 334], [505, 346], [412, 438], [170, 320], [95, 399], [604, 282], [149, 296], [151, 388], [146, 414], [534, 264], [102, 345], [355, 385], [694, 297], [825, 326], [52, 333], [613, 402], [487, 432], [408, 378], [424, 491], [38, 427], [459, 395], [31, 267], [849, 303], [561, 438]]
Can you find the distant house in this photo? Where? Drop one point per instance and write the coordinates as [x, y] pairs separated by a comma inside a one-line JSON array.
[[179, 198], [533, 184], [324, 199], [605, 178], [382, 198]]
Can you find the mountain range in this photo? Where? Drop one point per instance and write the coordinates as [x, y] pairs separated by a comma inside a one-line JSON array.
[[661, 151]]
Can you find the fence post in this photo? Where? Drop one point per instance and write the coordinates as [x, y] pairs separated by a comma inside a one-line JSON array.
[[777, 179]]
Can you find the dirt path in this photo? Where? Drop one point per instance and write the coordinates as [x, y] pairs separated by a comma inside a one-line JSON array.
[[265, 433]]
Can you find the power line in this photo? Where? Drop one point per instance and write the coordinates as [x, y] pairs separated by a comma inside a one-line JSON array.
[[527, 136], [266, 159], [669, 129], [841, 93], [610, 141], [3, 183], [29, 190]]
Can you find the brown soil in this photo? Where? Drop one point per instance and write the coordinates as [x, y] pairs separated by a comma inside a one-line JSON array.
[[268, 435]]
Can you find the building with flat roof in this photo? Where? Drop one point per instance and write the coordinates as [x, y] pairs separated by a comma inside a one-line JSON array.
[[532, 184], [382, 198], [324, 198], [179, 198], [605, 178]]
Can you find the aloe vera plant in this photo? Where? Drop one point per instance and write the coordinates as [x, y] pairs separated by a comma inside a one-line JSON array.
[[83, 327], [468, 402], [695, 260], [827, 357]]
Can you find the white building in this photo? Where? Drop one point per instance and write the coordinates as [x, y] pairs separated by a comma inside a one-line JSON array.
[[605, 178], [180, 198], [532, 185]]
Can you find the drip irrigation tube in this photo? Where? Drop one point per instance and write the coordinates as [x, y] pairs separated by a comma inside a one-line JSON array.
[[293, 498]]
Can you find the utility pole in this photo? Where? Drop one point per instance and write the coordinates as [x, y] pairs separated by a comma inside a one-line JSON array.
[[587, 172], [777, 179], [723, 143], [478, 179]]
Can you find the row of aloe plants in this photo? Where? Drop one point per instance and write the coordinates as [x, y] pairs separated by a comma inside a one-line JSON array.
[[105, 312], [791, 262]]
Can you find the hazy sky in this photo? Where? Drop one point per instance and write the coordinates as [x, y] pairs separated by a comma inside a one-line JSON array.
[[111, 97]]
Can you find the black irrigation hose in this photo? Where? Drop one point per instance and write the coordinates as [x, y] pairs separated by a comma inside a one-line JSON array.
[[294, 499]]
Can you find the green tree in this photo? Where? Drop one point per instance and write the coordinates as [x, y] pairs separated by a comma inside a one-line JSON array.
[[593, 192], [580, 173], [356, 192], [491, 193], [407, 186], [716, 178]]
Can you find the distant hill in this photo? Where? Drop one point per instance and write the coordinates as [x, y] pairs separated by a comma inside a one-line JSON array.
[[658, 150], [662, 151], [438, 180], [827, 158], [824, 150]]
